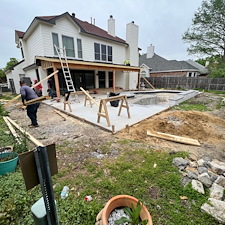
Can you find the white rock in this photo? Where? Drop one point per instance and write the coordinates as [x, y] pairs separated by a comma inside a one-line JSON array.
[[216, 208], [198, 186], [216, 191]]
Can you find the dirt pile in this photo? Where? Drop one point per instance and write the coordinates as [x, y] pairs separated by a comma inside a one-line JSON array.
[[208, 129]]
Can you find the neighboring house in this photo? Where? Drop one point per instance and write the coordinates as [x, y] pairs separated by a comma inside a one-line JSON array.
[[154, 65], [95, 56]]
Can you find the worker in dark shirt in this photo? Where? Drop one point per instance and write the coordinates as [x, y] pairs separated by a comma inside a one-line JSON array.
[[27, 94]]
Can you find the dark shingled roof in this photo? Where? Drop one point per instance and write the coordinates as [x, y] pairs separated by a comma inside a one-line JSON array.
[[158, 63], [83, 25]]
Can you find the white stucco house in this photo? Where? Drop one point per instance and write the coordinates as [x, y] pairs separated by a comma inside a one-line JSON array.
[[95, 56]]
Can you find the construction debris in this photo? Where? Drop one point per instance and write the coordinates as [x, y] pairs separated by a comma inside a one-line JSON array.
[[175, 138], [31, 138]]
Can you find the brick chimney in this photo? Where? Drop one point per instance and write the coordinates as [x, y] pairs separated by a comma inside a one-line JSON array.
[[150, 51], [111, 26]]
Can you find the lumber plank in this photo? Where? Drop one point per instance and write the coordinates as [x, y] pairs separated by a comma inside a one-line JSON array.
[[18, 96], [148, 82], [12, 130], [174, 138], [85, 92], [31, 138]]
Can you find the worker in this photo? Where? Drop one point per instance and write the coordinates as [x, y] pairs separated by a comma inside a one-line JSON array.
[[27, 94], [127, 62], [38, 88]]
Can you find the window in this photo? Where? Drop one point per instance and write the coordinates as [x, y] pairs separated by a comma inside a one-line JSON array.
[[97, 51], [110, 53], [55, 41], [103, 52], [79, 49], [143, 73], [21, 48], [68, 43]]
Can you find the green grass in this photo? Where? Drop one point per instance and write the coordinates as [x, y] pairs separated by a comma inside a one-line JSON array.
[[186, 106], [132, 172]]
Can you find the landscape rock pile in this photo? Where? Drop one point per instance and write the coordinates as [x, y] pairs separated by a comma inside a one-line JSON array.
[[206, 173]]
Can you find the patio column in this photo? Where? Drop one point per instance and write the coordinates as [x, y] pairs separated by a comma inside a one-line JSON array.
[[114, 81], [139, 81], [56, 82]]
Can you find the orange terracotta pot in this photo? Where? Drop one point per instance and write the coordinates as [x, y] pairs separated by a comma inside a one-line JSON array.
[[123, 201]]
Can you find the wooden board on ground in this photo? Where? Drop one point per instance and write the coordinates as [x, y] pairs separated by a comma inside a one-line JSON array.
[[12, 130], [31, 138], [174, 138]]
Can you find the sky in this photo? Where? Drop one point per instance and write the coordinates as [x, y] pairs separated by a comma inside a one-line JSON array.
[[161, 22]]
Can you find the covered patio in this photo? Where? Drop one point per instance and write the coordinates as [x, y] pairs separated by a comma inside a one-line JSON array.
[[54, 64]]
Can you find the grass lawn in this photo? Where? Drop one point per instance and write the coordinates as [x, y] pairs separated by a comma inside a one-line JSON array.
[[138, 170]]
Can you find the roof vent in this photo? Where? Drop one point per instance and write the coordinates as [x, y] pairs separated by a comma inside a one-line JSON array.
[[110, 16], [73, 15], [132, 22]]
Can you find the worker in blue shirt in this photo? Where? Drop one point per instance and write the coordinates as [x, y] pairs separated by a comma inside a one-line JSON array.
[[27, 94]]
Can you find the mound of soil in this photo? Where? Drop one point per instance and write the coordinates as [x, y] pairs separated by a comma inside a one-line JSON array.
[[206, 127]]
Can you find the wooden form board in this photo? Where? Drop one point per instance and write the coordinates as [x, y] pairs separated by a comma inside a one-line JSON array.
[[174, 138], [35, 141], [12, 130], [18, 96]]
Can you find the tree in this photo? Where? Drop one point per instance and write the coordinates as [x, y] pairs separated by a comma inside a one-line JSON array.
[[216, 65], [2, 76], [206, 35], [11, 63]]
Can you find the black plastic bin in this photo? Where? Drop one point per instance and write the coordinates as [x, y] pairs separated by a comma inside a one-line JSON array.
[[116, 102]]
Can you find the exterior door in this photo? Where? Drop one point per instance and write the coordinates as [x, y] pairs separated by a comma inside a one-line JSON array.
[[12, 86], [101, 79]]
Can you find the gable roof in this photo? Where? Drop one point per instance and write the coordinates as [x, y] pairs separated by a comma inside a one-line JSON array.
[[84, 26], [159, 64], [19, 33]]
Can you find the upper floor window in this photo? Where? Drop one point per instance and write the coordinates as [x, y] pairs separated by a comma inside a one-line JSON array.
[[79, 48], [143, 73], [103, 52], [110, 53], [55, 41], [68, 43]]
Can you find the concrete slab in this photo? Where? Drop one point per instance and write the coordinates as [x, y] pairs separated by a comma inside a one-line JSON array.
[[138, 112]]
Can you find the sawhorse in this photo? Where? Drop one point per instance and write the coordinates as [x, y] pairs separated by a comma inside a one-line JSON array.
[[103, 111]]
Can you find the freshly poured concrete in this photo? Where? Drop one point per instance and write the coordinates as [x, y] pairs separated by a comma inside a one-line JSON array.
[[137, 112]]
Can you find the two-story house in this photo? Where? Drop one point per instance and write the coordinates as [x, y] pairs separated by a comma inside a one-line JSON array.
[[95, 56]]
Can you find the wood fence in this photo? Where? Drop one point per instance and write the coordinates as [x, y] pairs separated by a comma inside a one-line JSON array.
[[186, 83]]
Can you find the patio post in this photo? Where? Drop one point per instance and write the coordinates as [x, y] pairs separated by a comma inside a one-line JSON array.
[[56, 82], [114, 81]]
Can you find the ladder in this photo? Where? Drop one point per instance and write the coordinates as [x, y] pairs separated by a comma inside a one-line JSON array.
[[65, 68]]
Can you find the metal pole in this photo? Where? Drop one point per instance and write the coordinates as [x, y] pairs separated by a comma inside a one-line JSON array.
[[43, 168]]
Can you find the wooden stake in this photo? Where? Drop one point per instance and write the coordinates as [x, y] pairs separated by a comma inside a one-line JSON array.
[[35, 141], [12, 130], [18, 96], [174, 138]]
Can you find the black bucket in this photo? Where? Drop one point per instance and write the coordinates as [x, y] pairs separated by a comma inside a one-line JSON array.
[[116, 102]]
